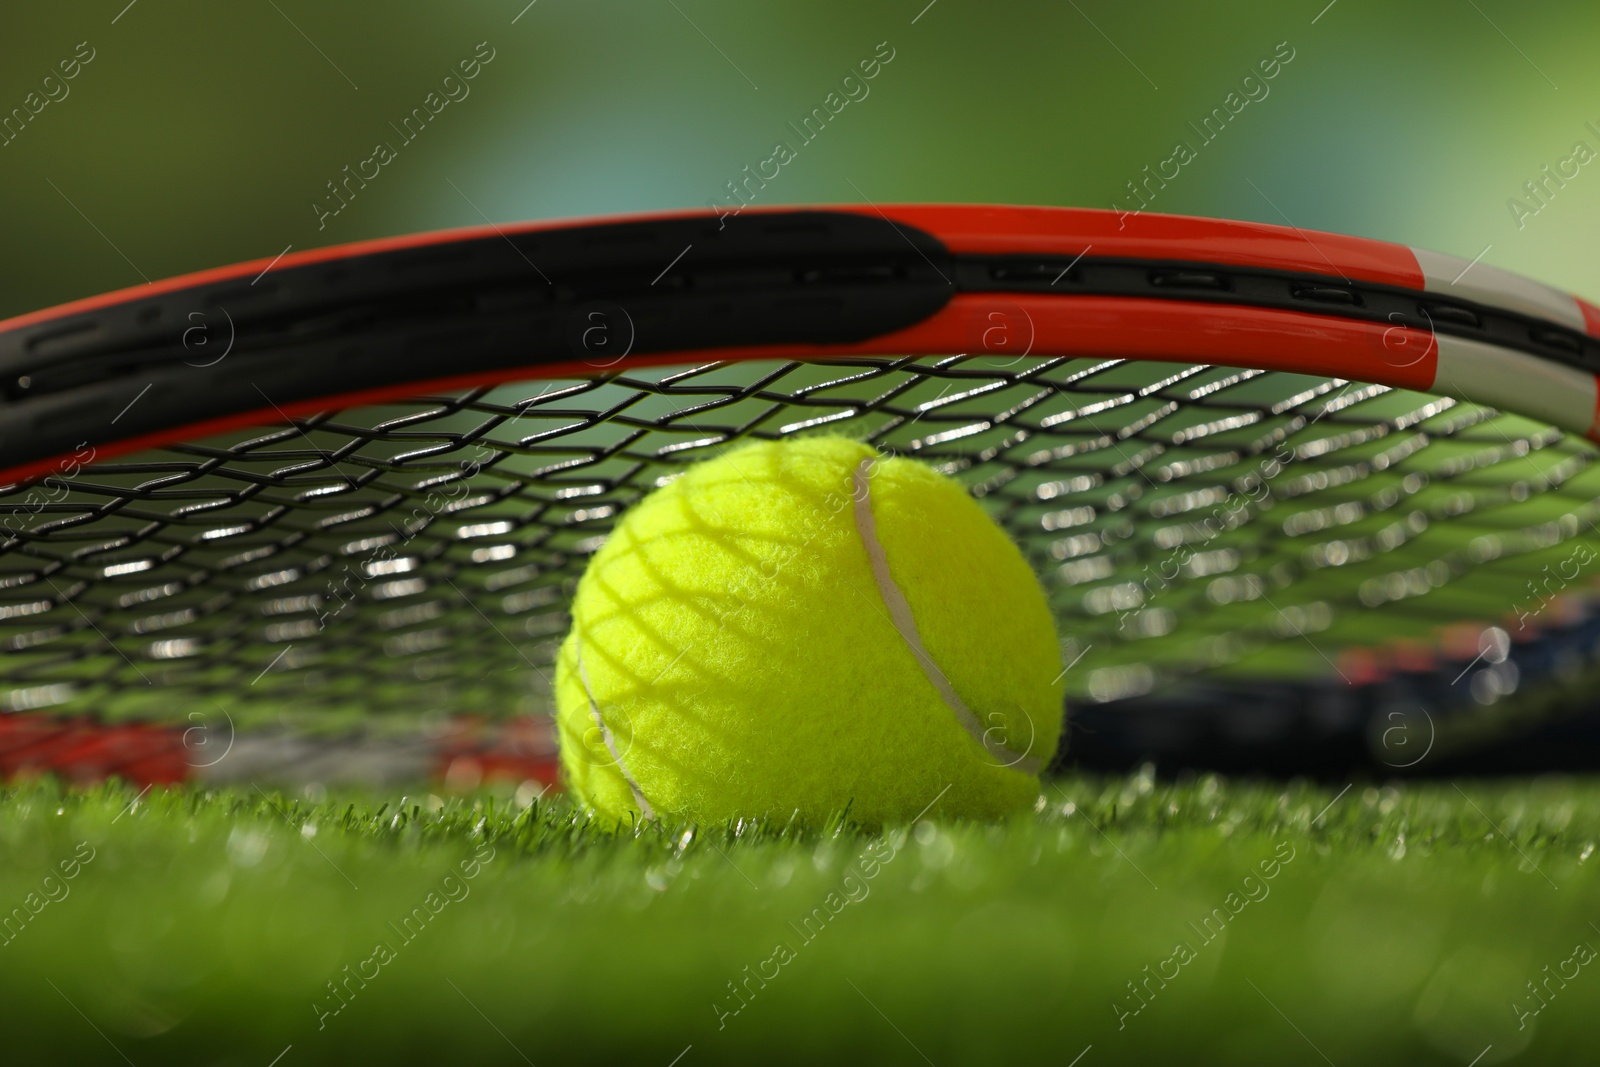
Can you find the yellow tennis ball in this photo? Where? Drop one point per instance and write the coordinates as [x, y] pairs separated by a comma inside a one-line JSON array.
[[808, 626]]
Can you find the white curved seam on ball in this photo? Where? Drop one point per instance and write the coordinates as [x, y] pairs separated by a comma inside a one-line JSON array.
[[605, 734], [904, 622]]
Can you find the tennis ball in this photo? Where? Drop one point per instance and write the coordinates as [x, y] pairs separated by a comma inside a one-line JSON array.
[[804, 627]]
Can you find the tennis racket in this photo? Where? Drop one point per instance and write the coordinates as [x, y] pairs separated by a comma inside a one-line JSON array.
[[1297, 499]]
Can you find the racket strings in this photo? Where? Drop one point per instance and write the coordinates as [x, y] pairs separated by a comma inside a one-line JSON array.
[[415, 558]]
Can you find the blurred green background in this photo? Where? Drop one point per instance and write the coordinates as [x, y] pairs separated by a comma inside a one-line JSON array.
[[202, 134]]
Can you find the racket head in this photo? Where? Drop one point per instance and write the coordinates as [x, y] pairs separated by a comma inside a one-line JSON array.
[[1197, 357]]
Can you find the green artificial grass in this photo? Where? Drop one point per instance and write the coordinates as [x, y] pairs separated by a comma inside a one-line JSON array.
[[1126, 921]]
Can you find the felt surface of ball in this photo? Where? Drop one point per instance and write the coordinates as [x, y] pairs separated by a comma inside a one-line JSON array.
[[806, 626]]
